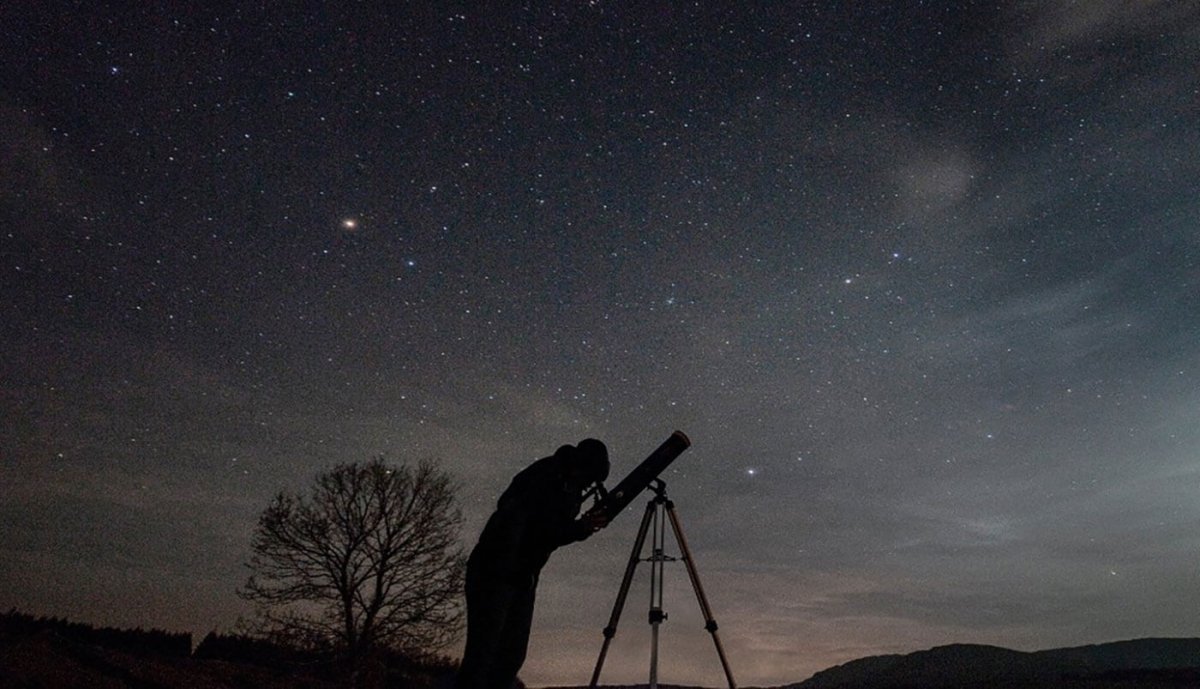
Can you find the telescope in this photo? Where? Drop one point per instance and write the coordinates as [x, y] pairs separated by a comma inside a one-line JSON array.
[[659, 511], [611, 503]]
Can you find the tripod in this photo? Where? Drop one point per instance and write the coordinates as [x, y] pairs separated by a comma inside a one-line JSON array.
[[658, 511]]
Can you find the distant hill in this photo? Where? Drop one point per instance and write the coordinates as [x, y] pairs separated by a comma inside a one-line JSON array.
[[1136, 664]]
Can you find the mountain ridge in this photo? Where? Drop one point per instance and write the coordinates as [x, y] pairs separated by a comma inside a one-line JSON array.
[[1154, 661]]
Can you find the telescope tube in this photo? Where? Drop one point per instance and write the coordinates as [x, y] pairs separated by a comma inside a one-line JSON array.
[[619, 497]]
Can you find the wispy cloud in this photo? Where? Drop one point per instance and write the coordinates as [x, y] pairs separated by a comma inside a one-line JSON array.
[[1068, 23]]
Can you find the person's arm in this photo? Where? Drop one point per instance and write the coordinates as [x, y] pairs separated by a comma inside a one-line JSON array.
[[580, 529]]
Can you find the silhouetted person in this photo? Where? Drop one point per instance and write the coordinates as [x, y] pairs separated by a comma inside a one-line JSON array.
[[535, 515]]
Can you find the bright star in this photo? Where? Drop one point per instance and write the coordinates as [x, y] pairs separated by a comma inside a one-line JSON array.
[[350, 224]]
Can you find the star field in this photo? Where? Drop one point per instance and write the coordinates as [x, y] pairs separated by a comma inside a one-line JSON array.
[[920, 282]]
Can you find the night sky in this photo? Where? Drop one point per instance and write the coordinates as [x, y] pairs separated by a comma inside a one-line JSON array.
[[921, 283]]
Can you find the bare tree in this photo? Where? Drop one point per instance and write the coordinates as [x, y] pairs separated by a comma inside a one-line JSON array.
[[369, 558]]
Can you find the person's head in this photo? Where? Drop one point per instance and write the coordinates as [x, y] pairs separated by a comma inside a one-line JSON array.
[[590, 464]]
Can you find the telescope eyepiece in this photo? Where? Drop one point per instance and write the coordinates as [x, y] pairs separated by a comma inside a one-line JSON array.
[[597, 492]]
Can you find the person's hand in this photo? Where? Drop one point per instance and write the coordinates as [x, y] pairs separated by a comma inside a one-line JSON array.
[[594, 521]]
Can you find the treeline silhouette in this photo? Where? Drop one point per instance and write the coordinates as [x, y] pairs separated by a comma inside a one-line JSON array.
[[240, 648], [395, 669], [139, 641]]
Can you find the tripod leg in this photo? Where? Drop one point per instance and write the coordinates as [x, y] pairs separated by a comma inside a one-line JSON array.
[[634, 557], [657, 616], [709, 623]]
